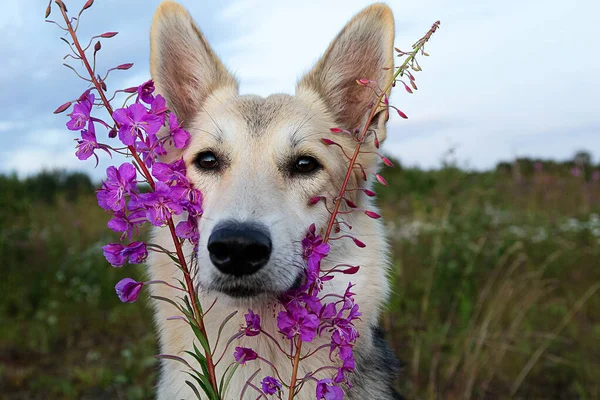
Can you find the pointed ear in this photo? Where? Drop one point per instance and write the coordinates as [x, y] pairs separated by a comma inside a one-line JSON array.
[[184, 68], [360, 51]]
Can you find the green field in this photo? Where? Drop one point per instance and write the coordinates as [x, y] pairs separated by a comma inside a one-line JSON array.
[[495, 276]]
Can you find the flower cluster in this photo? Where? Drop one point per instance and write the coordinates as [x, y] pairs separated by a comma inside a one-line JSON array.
[[137, 127], [308, 313]]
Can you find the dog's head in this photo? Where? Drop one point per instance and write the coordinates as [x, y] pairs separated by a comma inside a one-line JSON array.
[[258, 161]]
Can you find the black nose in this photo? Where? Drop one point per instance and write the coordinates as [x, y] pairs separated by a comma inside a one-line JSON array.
[[239, 248]]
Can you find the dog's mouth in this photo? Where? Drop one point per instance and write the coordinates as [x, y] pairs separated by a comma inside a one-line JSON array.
[[250, 288]]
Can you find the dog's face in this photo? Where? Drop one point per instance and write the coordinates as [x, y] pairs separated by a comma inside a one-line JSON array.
[[259, 161]]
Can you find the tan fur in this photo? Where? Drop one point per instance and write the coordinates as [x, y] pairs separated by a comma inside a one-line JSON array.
[[255, 137]]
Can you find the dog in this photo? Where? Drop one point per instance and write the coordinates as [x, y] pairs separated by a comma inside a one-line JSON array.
[[258, 161]]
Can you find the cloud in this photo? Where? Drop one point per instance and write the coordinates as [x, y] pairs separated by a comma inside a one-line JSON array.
[[504, 78]]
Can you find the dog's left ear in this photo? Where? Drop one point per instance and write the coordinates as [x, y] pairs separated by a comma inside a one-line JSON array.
[[360, 51]]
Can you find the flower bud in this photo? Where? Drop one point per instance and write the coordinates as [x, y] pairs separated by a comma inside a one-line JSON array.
[[335, 130], [315, 200], [87, 5], [97, 47], [387, 161], [380, 179], [372, 214], [125, 66], [400, 113], [350, 203], [359, 243], [351, 270], [62, 107], [363, 82], [328, 142], [132, 89], [369, 193], [108, 35]]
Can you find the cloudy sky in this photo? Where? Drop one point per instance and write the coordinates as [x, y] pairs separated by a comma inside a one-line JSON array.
[[505, 78]]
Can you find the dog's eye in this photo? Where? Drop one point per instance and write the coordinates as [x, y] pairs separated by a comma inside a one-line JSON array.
[[207, 160], [305, 165]]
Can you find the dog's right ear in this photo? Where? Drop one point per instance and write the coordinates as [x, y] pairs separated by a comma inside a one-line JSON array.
[[184, 68]]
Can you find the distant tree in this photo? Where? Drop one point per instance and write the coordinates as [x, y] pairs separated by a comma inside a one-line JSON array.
[[582, 159]]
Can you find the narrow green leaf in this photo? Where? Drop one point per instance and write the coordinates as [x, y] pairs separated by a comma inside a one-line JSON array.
[[196, 392], [227, 318]]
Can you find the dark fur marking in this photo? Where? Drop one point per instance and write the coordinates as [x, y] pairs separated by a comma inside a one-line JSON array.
[[376, 369]]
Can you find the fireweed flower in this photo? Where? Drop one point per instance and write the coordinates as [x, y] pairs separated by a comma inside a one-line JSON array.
[[81, 112], [120, 182], [128, 290], [298, 321], [243, 354], [133, 120], [188, 229], [88, 144], [127, 223], [179, 135], [270, 385], [160, 204], [117, 254], [328, 391], [150, 147], [314, 250], [170, 173], [145, 91], [252, 327], [159, 108]]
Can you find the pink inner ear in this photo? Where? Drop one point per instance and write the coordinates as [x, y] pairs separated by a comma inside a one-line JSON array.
[[362, 61], [179, 84]]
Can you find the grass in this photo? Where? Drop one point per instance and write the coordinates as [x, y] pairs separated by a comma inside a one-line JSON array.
[[496, 288]]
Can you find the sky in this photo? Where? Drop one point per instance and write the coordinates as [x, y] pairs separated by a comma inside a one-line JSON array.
[[504, 79]]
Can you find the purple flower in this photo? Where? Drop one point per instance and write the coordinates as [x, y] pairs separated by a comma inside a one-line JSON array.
[[117, 254], [314, 250], [88, 144], [328, 391], [128, 290], [270, 385], [150, 147], [252, 327], [159, 108], [243, 354], [297, 320], [179, 135], [127, 223], [145, 91], [160, 204], [596, 176], [81, 112], [113, 252], [576, 172], [188, 229], [119, 183], [136, 252], [133, 120], [170, 173]]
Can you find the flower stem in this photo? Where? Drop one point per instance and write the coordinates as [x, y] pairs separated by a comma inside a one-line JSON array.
[[338, 202], [180, 256]]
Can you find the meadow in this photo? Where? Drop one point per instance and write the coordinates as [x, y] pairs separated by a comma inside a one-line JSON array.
[[495, 277]]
